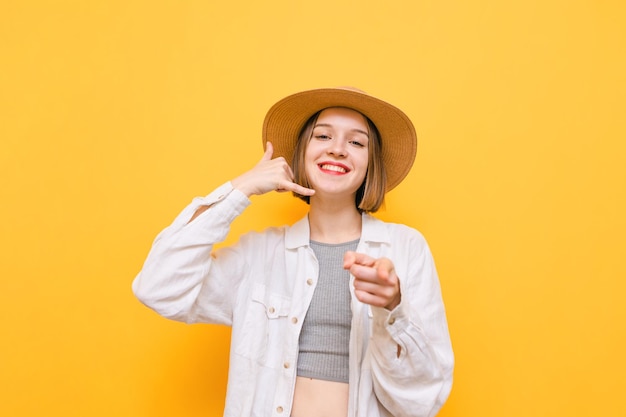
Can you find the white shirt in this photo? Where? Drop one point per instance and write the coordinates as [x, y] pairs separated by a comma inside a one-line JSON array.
[[262, 287]]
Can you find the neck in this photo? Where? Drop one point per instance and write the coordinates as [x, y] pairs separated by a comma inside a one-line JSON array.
[[334, 223]]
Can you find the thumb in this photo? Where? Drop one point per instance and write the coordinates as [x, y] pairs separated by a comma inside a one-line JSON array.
[[348, 259], [269, 151]]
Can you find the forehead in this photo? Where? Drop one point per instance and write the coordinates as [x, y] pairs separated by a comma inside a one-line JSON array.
[[343, 115]]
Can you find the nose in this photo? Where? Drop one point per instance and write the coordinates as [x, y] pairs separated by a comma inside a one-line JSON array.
[[338, 147]]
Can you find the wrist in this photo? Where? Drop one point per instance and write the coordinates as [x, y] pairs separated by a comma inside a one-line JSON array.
[[242, 187], [394, 303]]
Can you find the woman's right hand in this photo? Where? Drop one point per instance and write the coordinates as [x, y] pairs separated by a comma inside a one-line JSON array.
[[269, 175]]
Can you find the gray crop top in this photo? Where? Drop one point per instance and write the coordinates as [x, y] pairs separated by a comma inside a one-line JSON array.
[[325, 335]]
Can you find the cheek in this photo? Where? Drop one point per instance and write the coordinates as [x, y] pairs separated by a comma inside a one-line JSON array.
[[312, 149], [364, 161], [310, 155], [308, 164]]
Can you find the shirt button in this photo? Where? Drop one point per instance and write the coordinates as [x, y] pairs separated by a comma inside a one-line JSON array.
[[309, 281], [272, 310], [279, 409], [286, 365], [392, 320], [294, 320]]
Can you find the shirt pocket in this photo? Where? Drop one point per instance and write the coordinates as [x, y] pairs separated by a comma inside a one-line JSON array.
[[264, 328]]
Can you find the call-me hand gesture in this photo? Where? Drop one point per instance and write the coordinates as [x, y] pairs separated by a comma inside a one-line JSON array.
[[269, 175]]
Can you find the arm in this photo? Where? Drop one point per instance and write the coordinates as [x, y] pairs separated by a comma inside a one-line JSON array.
[[179, 263], [180, 279], [409, 352]]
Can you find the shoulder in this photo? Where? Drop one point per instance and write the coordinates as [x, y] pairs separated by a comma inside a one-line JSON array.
[[394, 232], [290, 236], [273, 233]]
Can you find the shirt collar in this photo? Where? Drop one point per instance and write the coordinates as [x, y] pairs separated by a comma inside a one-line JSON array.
[[298, 234], [373, 230]]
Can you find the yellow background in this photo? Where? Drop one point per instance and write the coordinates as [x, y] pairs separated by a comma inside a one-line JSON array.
[[114, 114]]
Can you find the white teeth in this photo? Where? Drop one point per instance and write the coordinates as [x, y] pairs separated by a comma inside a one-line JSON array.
[[333, 168]]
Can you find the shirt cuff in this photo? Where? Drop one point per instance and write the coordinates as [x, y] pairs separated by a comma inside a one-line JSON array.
[[393, 322], [222, 192], [225, 202]]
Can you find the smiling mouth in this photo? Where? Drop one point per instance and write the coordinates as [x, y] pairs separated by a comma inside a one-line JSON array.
[[334, 168]]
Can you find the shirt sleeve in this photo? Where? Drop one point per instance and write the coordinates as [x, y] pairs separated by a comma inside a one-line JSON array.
[[410, 352], [179, 279]]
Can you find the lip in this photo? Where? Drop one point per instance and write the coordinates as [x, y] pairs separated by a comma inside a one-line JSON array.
[[324, 166]]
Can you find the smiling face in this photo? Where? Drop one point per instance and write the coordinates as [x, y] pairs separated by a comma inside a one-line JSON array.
[[336, 157]]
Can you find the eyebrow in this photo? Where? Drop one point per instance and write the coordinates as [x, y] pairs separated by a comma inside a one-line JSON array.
[[352, 130]]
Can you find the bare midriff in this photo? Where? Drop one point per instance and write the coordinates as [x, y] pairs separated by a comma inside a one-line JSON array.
[[316, 397]]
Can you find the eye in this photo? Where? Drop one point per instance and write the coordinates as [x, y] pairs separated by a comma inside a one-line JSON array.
[[357, 143], [321, 136]]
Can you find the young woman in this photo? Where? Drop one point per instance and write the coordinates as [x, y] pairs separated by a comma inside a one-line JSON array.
[[337, 315]]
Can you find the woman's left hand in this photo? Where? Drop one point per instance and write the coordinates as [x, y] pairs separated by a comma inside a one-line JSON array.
[[375, 280]]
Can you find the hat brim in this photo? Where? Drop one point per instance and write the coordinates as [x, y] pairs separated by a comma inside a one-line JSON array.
[[286, 118]]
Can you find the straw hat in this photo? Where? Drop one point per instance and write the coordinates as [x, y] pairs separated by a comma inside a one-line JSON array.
[[286, 118]]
